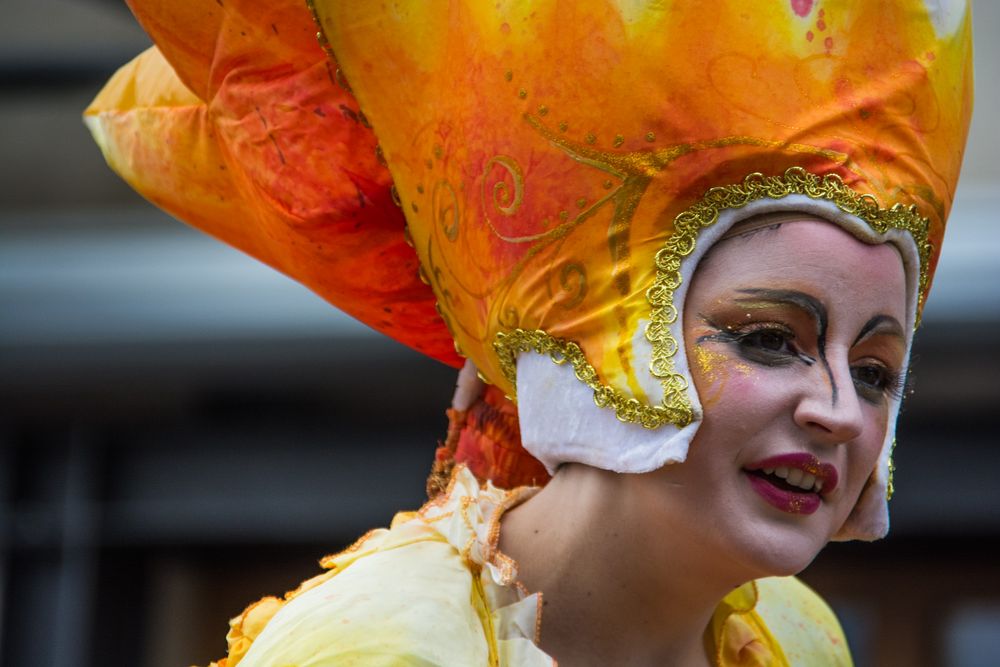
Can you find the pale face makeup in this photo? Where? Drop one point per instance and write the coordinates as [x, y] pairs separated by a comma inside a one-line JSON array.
[[795, 338]]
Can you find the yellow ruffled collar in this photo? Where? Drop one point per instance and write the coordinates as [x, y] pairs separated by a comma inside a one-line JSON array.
[[468, 516]]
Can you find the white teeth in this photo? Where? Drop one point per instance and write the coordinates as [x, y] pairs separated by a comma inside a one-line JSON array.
[[796, 477]]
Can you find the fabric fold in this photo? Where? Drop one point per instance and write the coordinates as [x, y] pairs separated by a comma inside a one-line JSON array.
[[235, 124]]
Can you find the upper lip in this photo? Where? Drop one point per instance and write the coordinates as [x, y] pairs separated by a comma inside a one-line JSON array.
[[807, 463]]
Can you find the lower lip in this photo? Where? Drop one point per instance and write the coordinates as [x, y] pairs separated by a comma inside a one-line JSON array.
[[786, 501]]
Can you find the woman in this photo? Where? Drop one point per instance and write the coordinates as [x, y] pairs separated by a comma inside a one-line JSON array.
[[787, 443], [694, 245]]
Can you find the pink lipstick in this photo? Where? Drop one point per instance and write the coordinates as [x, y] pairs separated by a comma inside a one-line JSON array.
[[793, 483]]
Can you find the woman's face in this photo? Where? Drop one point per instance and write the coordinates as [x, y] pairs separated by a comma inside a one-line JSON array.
[[795, 337]]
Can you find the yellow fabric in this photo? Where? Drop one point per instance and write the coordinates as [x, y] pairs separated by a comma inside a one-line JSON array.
[[543, 150], [802, 623], [737, 634], [433, 590]]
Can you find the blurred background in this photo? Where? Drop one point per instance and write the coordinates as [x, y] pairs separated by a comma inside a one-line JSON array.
[[183, 430]]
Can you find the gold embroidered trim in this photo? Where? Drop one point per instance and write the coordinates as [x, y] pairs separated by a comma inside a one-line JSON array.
[[509, 344], [676, 407], [890, 487]]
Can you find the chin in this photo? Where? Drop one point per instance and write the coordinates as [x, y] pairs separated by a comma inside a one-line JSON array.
[[779, 551], [764, 541]]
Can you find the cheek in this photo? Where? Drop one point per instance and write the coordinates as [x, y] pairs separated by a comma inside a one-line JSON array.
[[877, 421], [864, 454], [717, 375]]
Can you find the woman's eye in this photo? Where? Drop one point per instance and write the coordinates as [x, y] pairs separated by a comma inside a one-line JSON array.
[[765, 343], [875, 381], [774, 341], [770, 346], [873, 376]]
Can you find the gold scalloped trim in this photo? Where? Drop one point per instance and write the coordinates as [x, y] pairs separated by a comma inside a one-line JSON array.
[[890, 487], [676, 407], [509, 344]]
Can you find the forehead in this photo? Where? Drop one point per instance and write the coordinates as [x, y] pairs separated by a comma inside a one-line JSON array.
[[809, 255]]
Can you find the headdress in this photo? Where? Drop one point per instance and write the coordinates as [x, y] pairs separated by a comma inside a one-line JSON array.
[[561, 167]]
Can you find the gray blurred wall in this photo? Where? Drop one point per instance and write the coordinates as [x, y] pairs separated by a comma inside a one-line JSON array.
[[183, 430]]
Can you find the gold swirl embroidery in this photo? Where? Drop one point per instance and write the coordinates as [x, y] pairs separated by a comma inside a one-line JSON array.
[[445, 207], [509, 317], [503, 200], [676, 406], [573, 278]]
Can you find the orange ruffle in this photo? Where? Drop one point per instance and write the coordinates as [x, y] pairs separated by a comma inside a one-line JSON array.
[[486, 438]]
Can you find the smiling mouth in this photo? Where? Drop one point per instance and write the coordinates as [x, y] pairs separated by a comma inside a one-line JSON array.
[[782, 495], [793, 483]]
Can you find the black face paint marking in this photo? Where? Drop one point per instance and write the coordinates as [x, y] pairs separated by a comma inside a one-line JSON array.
[[808, 304], [721, 335], [880, 324]]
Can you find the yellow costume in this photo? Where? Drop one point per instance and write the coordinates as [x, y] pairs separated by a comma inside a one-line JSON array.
[[434, 590]]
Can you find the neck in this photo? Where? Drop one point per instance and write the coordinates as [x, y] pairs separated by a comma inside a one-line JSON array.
[[614, 591]]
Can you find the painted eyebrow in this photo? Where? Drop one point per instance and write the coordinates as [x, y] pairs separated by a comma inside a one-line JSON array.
[[801, 300], [881, 324]]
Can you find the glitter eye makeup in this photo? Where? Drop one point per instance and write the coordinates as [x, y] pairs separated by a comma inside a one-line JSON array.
[[765, 343], [761, 326]]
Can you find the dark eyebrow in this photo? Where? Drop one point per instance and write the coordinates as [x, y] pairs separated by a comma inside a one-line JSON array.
[[883, 324], [800, 300]]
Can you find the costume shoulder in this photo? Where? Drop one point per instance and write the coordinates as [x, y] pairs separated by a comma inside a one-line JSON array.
[[400, 596], [802, 623]]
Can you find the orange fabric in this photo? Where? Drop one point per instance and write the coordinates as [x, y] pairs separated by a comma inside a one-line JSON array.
[[489, 444], [486, 439], [543, 150], [234, 123]]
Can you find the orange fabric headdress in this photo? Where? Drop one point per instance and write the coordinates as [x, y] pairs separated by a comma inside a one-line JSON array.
[[556, 162], [553, 158], [542, 151], [235, 124]]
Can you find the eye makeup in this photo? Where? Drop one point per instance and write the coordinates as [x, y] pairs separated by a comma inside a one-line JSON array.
[[874, 381], [769, 339], [761, 298], [765, 343], [873, 378]]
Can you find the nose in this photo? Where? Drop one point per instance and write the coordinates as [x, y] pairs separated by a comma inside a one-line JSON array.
[[830, 410]]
